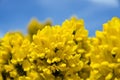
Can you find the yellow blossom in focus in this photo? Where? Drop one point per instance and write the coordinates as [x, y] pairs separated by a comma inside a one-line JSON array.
[[106, 52], [61, 52]]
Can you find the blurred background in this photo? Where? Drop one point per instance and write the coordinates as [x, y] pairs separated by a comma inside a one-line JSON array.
[[16, 14]]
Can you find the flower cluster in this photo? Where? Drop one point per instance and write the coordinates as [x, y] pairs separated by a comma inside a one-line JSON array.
[[61, 52], [105, 57]]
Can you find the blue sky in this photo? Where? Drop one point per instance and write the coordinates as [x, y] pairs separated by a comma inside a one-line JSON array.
[[16, 14]]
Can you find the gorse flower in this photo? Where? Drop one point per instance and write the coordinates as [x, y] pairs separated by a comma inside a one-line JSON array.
[[105, 58], [61, 52], [58, 48], [34, 26]]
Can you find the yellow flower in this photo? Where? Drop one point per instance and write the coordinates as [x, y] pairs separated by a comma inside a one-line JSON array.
[[26, 65], [9, 67], [24, 78], [34, 75], [18, 54], [13, 73], [61, 52], [105, 53]]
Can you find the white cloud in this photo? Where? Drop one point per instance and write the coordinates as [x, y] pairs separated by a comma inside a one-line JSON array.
[[110, 3]]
